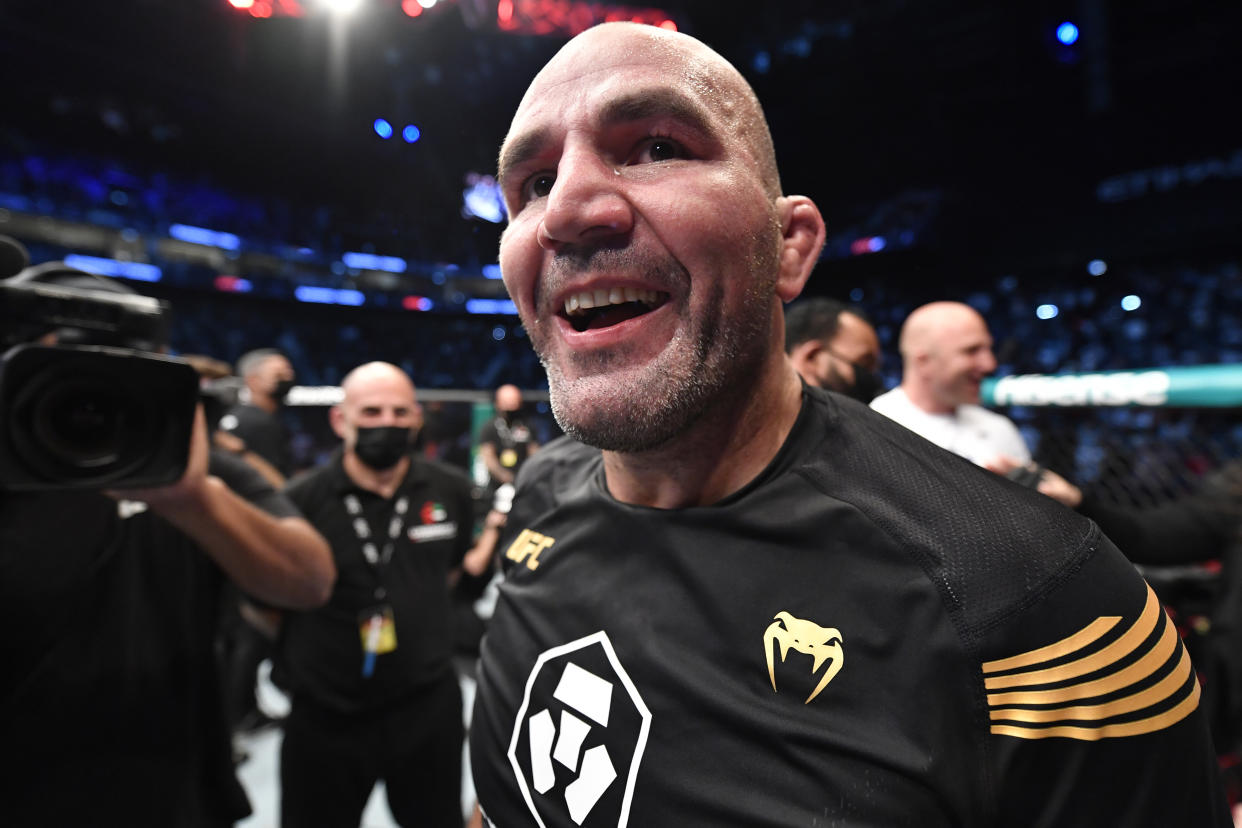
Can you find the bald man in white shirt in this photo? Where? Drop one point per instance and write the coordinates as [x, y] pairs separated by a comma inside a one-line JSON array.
[[946, 351]]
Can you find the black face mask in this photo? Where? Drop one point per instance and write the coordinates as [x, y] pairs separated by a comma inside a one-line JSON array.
[[867, 384], [281, 389], [382, 447]]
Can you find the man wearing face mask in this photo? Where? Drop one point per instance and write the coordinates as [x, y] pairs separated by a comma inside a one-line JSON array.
[[832, 345], [374, 695], [268, 376], [506, 440]]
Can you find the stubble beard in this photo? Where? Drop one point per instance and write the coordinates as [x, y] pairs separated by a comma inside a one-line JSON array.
[[708, 364]]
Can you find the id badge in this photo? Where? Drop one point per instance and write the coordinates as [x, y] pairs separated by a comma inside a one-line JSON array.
[[379, 635]]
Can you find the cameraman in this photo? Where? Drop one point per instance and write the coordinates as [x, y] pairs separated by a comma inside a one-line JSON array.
[[108, 609]]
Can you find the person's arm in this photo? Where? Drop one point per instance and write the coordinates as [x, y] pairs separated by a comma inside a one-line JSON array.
[[278, 559], [1192, 528], [498, 472], [481, 555], [1093, 711], [233, 444]]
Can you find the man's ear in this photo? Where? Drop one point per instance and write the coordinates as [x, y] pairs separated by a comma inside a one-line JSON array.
[[804, 354], [337, 419], [802, 237]]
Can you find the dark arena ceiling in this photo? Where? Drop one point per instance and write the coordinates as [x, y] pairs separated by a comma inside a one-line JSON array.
[[962, 132]]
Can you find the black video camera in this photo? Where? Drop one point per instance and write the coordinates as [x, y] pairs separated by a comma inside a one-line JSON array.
[[98, 408]]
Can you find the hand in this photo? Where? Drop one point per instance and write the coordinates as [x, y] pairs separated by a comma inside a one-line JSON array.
[[229, 442], [189, 487], [1050, 483]]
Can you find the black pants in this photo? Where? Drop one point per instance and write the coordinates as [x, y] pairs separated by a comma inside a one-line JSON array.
[[329, 763]]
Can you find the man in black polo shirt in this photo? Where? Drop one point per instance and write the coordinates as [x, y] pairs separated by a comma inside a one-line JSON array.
[[374, 695], [268, 375], [505, 441], [751, 603]]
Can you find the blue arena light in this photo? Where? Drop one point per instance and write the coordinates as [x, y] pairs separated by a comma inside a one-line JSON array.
[[382, 128], [1131, 302], [499, 333], [1067, 33], [1097, 267], [1047, 311], [328, 296], [411, 133], [491, 271], [491, 306], [369, 261], [201, 235], [137, 271]]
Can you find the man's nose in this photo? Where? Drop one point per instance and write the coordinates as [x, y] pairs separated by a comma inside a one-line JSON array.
[[988, 361], [587, 202]]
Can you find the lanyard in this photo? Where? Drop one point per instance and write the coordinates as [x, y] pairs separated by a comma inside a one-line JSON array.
[[374, 555]]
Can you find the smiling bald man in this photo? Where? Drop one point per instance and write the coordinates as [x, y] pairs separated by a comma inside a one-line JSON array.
[[732, 599]]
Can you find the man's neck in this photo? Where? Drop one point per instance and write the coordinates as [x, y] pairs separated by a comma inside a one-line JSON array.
[[264, 402], [924, 400], [384, 482], [722, 452]]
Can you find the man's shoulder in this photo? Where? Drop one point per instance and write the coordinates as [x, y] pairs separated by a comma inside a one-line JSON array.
[[896, 405], [986, 540], [557, 471], [313, 484], [979, 414], [440, 473]]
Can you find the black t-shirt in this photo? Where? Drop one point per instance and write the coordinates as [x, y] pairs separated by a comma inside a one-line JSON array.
[[321, 651], [263, 433], [874, 632], [511, 439], [110, 693]]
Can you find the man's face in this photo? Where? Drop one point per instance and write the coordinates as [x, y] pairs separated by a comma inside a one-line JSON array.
[[643, 241], [854, 344], [959, 359], [380, 400], [271, 372]]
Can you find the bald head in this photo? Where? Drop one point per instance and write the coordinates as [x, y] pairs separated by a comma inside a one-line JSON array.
[[364, 378], [946, 351], [375, 394], [508, 398], [682, 61]]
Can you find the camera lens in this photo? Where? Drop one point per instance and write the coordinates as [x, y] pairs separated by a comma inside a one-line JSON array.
[[82, 423]]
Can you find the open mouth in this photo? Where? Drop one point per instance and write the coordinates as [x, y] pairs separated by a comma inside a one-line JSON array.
[[600, 308]]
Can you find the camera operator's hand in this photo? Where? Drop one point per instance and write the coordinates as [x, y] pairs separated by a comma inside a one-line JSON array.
[[279, 560], [185, 490]]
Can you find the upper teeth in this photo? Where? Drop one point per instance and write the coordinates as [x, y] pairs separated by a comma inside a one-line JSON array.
[[600, 297]]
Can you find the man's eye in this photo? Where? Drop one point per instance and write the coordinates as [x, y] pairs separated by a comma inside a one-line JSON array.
[[659, 149], [538, 186]]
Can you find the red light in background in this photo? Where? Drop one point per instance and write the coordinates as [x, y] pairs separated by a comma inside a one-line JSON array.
[[233, 284], [416, 303], [569, 17], [241, 4], [261, 8], [411, 7]]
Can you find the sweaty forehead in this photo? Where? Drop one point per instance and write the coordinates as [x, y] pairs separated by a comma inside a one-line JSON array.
[[620, 62]]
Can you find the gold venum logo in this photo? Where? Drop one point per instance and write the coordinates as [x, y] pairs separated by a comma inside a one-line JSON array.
[[820, 643], [527, 546]]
